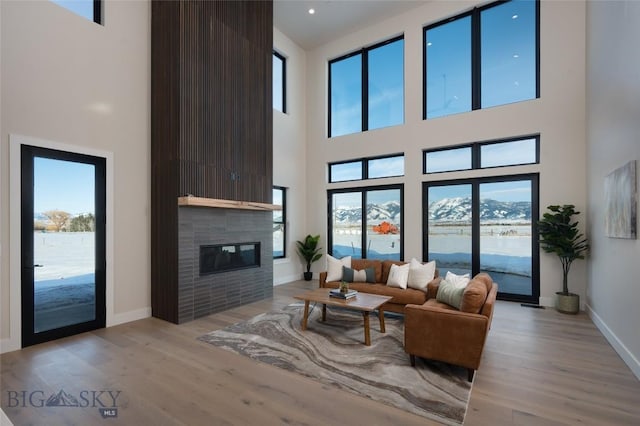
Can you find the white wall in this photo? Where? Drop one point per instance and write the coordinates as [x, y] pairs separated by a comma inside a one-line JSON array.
[[71, 81], [613, 134], [559, 116], [290, 156]]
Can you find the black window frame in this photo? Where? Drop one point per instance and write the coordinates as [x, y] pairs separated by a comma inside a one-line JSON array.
[[363, 190], [364, 63], [476, 158], [97, 11], [475, 226], [364, 161], [283, 223], [476, 71], [284, 79]]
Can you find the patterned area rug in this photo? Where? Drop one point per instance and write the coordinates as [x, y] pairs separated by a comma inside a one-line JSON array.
[[333, 353]]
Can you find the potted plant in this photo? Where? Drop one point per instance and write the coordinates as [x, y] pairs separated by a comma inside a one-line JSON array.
[[560, 235], [310, 252]]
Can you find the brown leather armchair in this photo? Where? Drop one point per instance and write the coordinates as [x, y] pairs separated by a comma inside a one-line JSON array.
[[441, 332]]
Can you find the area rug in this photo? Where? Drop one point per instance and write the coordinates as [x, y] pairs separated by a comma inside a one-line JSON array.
[[333, 353]]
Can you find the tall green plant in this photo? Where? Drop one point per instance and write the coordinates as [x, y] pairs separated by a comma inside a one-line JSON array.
[[308, 250], [561, 236]]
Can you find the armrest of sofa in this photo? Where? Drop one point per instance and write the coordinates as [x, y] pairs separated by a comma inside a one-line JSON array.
[[322, 279], [445, 334], [432, 287]]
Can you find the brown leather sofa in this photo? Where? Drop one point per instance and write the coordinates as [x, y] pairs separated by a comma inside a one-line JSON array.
[[437, 331], [401, 297]]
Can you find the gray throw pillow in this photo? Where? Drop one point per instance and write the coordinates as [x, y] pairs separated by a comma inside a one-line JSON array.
[[352, 275], [450, 294]]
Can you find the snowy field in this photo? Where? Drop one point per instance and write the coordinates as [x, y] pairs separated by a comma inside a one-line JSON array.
[[63, 256]]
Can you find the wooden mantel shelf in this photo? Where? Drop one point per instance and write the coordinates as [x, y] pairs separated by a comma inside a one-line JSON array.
[[226, 204]]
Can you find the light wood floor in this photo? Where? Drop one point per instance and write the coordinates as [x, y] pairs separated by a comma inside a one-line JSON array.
[[539, 368]]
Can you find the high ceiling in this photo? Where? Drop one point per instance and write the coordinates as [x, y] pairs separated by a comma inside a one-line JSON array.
[[332, 19]]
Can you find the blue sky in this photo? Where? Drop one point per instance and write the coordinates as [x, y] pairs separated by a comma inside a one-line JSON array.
[[80, 7], [63, 185]]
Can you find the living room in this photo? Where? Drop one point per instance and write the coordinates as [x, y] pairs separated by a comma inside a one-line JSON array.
[[65, 82]]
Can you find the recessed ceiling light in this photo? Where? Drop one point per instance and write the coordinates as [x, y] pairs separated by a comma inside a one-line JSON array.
[[312, 11], [514, 17], [429, 44], [516, 55]]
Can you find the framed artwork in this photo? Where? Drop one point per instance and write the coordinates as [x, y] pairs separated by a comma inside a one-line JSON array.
[[620, 202]]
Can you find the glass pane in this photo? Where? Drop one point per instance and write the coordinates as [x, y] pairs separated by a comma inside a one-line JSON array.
[[346, 224], [278, 223], [449, 225], [386, 85], [346, 95], [508, 52], [278, 83], [277, 200], [346, 171], [83, 8], [386, 167], [383, 224], [448, 58], [508, 153], [448, 160], [64, 243], [505, 235]]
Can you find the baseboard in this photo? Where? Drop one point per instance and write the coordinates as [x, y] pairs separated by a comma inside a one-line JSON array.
[[129, 316], [613, 340], [8, 345], [547, 301], [4, 420]]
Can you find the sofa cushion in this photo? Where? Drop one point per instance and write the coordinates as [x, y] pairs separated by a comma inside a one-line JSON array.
[[420, 275], [398, 276], [369, 263], [400, 296], [457, 280], [334, 267], [364, 275], [450, 294], [486, 279], [386, 267], [473, 297]]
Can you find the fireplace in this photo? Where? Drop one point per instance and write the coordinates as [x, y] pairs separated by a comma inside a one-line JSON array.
[[218, 258]]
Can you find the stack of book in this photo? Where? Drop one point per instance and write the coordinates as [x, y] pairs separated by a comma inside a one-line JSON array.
[[337, 293]]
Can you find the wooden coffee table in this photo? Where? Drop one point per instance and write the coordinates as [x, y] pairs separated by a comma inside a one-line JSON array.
[[363, 302]]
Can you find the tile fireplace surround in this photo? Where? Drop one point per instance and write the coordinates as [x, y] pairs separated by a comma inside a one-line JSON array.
[[201, 295]]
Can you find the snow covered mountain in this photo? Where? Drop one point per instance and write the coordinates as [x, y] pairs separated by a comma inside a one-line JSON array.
[[459, 209], [389, 211]]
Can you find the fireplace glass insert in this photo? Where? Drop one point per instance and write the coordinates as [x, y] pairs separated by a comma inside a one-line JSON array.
[[228, 257]]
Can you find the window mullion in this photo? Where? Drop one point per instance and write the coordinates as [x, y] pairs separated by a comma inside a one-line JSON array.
[[476, 89], [475, 227], [365, 89], [363, 239]]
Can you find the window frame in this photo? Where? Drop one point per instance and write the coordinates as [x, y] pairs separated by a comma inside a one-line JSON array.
[[284, 79], [97, 11], [283, 222], [476, 148], [363, 190], [364, 75], [475, 183], [476, 71], [364, 163]]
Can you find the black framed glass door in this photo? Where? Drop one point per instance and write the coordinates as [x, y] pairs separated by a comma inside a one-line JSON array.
[[486, 225], [63, 217]]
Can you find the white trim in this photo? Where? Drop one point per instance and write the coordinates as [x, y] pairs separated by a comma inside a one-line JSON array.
[[8, 345], [547, 301], [15, 142], [286, 279], [124, 317], [4, 420], [626, 355]]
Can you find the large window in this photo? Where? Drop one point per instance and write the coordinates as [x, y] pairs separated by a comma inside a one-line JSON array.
[[483, 58], [366, 223], [89, 9], [279, 82], [366, 88], [280, 223], [485, 225], [481, 155], [367, 168]]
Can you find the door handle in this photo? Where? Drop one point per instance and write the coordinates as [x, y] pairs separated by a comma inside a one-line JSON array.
[[34, 266]]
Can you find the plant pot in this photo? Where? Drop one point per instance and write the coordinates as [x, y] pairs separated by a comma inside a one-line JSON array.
[[568, 303], [308, 276]]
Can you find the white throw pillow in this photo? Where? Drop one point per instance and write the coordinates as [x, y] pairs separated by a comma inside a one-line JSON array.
[[420, 275], [334, 267], [398, 276], [459, 281]]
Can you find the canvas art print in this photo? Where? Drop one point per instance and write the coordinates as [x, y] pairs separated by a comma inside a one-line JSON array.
[[620, 215]]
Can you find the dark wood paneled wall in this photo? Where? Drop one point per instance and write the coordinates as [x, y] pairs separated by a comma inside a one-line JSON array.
[[211, 118]]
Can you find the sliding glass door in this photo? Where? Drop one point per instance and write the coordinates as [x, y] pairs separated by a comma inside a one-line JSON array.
[[486, 225]]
